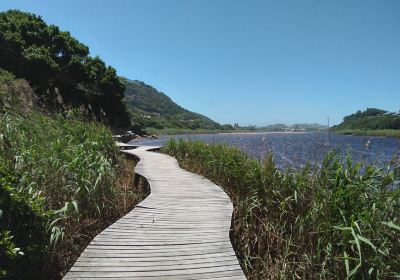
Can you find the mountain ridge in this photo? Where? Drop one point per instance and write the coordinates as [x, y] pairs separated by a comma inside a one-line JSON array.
[[154, 109]]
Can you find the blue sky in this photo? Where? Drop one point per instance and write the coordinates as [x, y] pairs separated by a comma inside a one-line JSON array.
[[252, 62]]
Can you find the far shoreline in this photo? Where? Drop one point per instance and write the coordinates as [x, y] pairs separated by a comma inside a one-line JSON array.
[[354, 132], [268, 132], [392, 133]]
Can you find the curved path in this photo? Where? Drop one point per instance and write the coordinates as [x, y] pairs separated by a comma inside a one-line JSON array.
[[180, 231]]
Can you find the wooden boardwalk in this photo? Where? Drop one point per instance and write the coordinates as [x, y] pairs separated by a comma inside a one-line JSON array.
[[180, 231]]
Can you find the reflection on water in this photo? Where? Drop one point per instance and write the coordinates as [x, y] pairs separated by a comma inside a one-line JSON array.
[[296, 149]]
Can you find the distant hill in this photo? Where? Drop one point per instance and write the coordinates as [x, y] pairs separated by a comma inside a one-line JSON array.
[[293, 127], [62, 76], [372, 121], [153, 109]]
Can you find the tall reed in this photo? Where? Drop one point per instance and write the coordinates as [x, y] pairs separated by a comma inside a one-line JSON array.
[[340, 221], [62, 181]]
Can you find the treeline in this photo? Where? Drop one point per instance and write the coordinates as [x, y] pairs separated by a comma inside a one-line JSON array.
[[370, 119], [60, 70]]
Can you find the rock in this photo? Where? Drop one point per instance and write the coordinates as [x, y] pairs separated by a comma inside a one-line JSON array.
[[125, 138]]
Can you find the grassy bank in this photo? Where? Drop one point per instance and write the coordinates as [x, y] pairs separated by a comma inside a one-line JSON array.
[[62, 180], [339, 222], [377, 132]]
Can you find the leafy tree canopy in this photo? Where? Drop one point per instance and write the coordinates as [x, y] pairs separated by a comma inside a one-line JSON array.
[[50, 58], [370, 119]]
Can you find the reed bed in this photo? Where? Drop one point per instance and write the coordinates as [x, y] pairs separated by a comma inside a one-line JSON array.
[[340, 221], [62, 180]]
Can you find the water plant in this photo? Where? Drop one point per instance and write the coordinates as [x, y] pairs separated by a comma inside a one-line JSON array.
[[340, 221]]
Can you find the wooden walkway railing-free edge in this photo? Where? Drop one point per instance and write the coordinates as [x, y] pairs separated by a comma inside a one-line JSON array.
[[180, 231]]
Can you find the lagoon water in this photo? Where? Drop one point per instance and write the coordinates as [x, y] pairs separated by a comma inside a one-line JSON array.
[[296, 149]]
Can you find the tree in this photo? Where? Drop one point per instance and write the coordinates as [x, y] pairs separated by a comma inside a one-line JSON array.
[[49, 58]]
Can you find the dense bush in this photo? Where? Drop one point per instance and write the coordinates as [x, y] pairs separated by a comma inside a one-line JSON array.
[[340, 221], [59, 67], [59, 186], [370, 119]]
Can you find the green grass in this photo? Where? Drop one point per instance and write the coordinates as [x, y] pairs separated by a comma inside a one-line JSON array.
[[377, 132], [341, 221], [62, 181]]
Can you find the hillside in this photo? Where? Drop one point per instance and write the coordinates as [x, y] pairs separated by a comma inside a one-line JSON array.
[[62, 178], [372, 121], [64, 76], [60, 70], [155, 110]]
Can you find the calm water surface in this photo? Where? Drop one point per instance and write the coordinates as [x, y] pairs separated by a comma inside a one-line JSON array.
[[296, 149]]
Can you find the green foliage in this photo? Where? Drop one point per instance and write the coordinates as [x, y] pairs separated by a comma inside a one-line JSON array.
[[15, 94], [341, 221], [51, 59], [153, 109], [370, 119], [23, 229], [369, 112], [8, 253], [58, 188]]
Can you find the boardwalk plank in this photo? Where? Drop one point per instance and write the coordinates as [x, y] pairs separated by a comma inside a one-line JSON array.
[[180, 231]]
